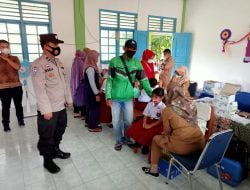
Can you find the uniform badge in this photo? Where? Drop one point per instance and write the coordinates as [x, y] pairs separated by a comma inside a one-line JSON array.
[[47, 66], [35, 69]]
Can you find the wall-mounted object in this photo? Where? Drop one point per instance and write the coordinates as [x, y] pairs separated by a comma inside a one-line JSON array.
[[226, 34]]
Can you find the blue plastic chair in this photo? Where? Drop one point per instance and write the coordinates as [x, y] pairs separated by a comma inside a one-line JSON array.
[[212, 154]]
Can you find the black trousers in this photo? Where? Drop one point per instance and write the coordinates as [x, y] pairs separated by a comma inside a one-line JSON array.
[[6, 95], [92, 114], [50, 132]]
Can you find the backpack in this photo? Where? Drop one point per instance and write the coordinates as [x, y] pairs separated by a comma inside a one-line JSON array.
[[237, 150]]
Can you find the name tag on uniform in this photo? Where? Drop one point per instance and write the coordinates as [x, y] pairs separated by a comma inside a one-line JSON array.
[[48, 68]]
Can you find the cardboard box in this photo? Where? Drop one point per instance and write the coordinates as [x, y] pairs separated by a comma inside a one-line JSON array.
[[233, 106], [224, 113], [230, 89], [225, 99], [209, 85]]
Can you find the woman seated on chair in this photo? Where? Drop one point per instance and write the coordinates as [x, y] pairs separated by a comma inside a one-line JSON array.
[[181, 134], [180, 77]]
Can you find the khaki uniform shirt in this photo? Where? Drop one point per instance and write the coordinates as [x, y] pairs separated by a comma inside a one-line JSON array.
[[48, 78]]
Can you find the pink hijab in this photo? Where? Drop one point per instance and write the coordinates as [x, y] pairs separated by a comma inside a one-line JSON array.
[[91, 61]]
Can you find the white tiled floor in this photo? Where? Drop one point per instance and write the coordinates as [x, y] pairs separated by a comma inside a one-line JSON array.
[[94, 164]]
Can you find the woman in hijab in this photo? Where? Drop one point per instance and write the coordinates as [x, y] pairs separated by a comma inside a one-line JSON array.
[[92, 91], [148, 63], [181, 133], [76, 77], [180, 77]]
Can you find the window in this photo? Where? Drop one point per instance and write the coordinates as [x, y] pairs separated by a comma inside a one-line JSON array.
[[21, 22], [11, 33], [115, 29], [161, 24]]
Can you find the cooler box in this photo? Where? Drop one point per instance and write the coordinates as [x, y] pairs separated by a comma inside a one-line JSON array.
[[243, 99], [232, 172], [163, 169]]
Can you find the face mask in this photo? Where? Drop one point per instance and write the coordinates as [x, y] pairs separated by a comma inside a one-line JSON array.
[[151, 60], [55, 51], [5, 51], [130, 53]]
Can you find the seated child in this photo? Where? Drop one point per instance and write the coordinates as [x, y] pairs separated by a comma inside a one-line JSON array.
[[144, 129], [143, 99]]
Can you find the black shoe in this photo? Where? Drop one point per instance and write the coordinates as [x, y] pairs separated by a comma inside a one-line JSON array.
[[147, 170], [134, 145], [51, 166], [21, 123], [6, 128], [60, 154], [145, 149]]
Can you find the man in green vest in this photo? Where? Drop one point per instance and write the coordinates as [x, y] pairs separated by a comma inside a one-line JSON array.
[[124, 70]]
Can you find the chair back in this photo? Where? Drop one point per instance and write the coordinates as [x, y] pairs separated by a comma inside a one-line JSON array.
[[210, 124], [215, 149]]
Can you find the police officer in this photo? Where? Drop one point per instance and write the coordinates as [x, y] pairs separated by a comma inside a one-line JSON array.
[[53, 95]]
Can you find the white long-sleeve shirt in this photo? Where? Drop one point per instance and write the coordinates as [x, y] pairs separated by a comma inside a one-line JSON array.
[[91, 76]]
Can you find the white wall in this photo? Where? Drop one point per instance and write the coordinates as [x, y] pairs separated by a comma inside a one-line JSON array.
[[62, 13], [206, 19], [167, 8]]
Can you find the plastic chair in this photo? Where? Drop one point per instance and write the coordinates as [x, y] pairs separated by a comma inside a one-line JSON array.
[[212, 154]]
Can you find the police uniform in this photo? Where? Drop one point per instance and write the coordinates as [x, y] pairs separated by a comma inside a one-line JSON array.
[[52, 93]]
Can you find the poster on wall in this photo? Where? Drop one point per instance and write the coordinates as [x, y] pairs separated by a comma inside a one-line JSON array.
[[226, 34], [29, 101]]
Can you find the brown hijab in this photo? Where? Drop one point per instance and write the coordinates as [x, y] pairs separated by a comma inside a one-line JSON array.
[[183, 72], [180, 104]]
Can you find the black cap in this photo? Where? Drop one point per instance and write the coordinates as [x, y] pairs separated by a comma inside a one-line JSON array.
[[131, 44], [50, 38]]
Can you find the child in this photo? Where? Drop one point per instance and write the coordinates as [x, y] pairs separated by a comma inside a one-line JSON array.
[[143, 130], [143, 99], [105, 111]]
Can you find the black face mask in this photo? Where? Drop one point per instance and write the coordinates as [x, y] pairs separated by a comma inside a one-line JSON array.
[[53, 51], [130, 53]]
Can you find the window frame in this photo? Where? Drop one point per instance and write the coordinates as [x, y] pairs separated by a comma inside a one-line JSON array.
[[161, 24], [22, 24], [117, 31]]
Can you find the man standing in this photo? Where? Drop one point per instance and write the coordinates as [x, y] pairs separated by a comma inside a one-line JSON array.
[[123, 71], [10, 86], [52, 93], [166, 69]]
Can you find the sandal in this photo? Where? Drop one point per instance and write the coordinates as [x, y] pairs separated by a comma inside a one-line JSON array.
[[77, 115], [118, 146], [95, 130], [147, 170]]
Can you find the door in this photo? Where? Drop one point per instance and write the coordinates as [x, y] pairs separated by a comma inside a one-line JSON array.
[[141, 37], [181, 49]]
